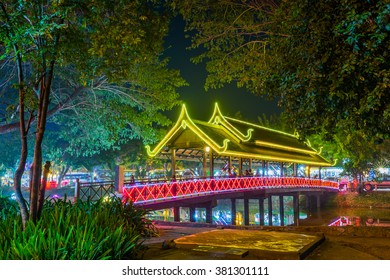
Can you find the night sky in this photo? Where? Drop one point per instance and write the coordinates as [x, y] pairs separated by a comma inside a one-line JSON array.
[[200, 103]]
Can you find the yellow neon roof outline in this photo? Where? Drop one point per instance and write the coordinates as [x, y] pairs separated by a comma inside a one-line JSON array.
[[218, 118], [185, 121], [168, 136], [311, 150], [231, 134], [273, 158], [287, 148]]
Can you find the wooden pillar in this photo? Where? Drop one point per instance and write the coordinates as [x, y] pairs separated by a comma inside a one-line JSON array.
[[119, 178], [173, 163], [281, 210], [270, 210], [263, 167], [204, 164], [246, 211], [230, 164], [176, 214], [296, 209], [240, 167], [209, 214], [319, 172], [250, 164], [192, 214], [211, 164], [295, 170], [233, 210], [281, 169], [261, 210], [308, 171]]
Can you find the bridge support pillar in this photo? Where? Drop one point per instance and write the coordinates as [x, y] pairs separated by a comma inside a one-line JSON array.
[[233, 210], [296, 209], [261, 210], [209, 214], [318, 201], [246, 211], [281, 210], [192, 214], [270, 210], [176, 214], [308, 202]]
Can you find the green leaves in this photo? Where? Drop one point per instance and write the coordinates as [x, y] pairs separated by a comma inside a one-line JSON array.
[[111, 83], [81, 231]]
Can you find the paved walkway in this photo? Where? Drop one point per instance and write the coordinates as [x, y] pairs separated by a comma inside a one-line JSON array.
[[203, 242], [211, 243]]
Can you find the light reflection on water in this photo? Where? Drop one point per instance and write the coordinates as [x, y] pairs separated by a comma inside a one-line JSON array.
[[350, 217]]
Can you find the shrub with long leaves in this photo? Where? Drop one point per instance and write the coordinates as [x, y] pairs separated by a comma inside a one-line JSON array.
[[81, 231], [8, 207]]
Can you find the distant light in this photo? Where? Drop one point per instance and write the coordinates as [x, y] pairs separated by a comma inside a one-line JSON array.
[[207, 149], [382, 170]]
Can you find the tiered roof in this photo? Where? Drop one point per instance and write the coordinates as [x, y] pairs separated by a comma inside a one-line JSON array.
[[228, 137]]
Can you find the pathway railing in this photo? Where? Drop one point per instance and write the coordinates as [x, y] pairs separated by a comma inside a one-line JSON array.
[[141, 193], [93, 191]]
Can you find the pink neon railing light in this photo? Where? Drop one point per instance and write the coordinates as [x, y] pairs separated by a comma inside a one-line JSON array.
[[154, 192]]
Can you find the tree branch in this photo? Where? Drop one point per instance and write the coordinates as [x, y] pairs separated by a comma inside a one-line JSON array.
[[7, 128]]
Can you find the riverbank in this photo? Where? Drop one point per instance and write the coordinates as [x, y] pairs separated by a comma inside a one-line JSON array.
[[374, 199]]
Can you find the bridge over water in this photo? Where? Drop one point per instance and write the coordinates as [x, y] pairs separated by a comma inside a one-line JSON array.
[[204, 193], [221, 149]]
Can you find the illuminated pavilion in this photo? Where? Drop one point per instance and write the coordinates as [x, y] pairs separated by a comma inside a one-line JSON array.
[[230, 141]]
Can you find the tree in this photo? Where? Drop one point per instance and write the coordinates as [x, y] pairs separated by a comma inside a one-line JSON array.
[[327, 62], [232, 36], [67, 53], [332, 70]]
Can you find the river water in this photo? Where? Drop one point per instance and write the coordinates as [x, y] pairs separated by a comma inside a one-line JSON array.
[[325, 216]]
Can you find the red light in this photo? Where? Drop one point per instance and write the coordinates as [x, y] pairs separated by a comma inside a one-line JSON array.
[[169, 190]]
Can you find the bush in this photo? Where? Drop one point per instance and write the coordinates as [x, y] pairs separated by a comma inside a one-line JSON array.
[[81, 231]]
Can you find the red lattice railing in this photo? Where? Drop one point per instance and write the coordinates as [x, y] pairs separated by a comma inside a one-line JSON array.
[[155, 192]]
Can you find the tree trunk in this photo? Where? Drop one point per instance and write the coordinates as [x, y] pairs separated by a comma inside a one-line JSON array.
[[23, 129], [38, 189], [61, 175], [41, 195], [22, 162]]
